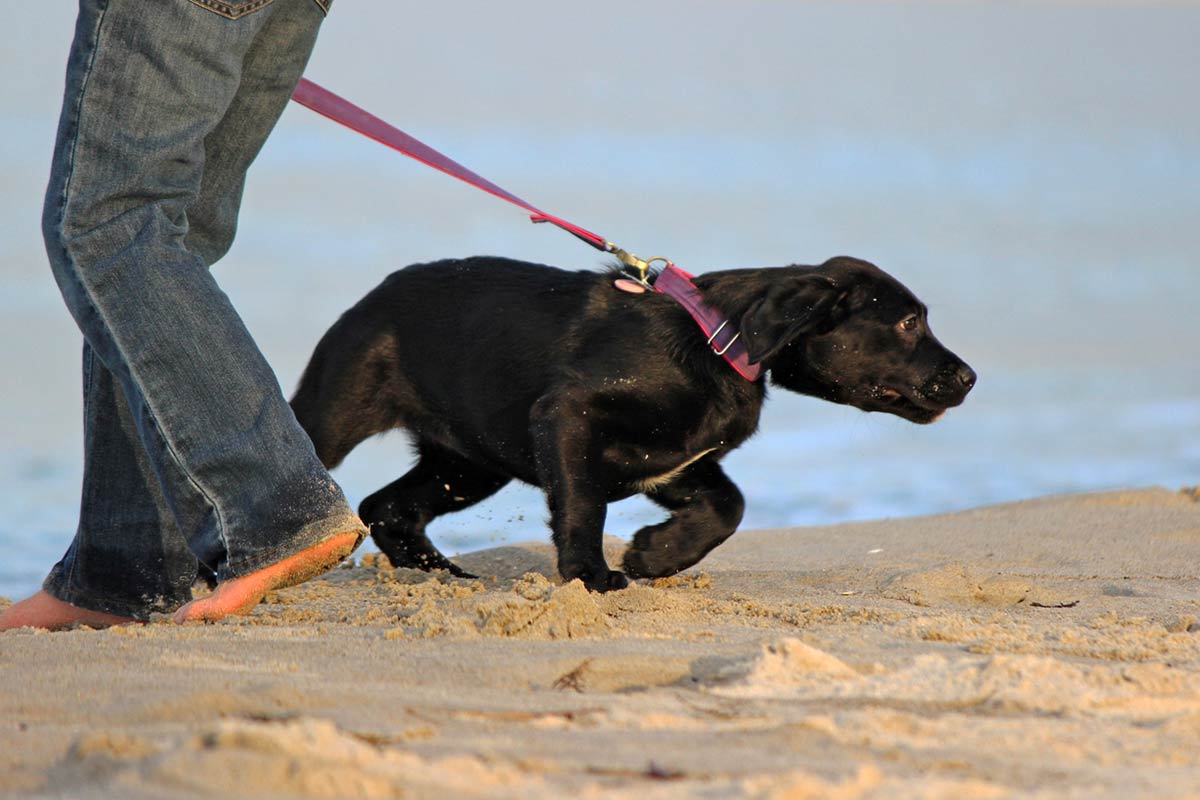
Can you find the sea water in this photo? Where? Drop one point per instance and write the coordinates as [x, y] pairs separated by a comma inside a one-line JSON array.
[[1031, 171]]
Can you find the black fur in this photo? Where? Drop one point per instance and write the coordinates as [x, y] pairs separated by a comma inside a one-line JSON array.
[[500, 369]]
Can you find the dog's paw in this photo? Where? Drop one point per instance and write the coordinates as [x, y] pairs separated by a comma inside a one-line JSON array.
[[433, 562], [598, 580], [417, 554], [614, 580]]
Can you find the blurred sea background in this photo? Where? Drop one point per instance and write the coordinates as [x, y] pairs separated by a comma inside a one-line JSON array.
[[1031, 170]]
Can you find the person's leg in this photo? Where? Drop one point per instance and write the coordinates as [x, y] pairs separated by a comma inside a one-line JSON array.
[[147, 85], [270, 70], [128, 558]]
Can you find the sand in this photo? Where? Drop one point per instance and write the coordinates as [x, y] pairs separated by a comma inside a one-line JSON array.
[[1049, 648]]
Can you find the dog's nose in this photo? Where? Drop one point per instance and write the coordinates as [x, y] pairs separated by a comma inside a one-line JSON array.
[[966, 377]]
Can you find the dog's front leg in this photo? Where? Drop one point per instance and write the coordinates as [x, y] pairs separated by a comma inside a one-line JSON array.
[[569, 469], [705, 507], [577, 523]]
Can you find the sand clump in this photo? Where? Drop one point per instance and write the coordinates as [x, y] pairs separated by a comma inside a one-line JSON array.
[[418, 605], [1107, 637], [793, 663], [962, 585], [532, 608], [540, 610], [867, 782], [1006, 683], [116, 745], [302, 757]]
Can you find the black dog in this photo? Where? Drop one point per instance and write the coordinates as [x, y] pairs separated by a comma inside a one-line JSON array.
[[501, 369]]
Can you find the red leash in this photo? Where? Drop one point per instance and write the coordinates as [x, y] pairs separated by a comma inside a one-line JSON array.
[[326, 103], [672, 281]]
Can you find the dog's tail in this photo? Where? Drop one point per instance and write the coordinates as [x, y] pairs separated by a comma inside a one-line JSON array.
[[341, 397]]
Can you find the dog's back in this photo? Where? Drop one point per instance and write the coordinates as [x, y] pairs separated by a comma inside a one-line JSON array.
[[423, 348]]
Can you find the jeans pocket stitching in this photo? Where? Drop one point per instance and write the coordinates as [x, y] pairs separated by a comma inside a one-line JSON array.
[[231, 11]]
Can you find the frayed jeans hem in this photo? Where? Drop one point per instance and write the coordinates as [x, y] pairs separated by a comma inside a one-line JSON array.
[[309, 536]]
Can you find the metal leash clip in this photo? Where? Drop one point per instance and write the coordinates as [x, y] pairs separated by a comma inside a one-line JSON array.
[[630, 260]]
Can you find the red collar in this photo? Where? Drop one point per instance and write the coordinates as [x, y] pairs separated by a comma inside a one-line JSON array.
[[723, 336]]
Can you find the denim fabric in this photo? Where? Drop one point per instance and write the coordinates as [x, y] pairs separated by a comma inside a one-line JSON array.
[[191, 451]]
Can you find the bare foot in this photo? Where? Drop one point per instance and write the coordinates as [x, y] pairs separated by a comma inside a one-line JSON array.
[[239, 595], [44, 610]]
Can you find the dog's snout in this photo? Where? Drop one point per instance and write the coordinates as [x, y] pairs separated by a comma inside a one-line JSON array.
[[966, 377], [950, 385]]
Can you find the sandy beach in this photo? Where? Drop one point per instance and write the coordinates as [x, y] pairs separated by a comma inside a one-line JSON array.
[[1049, 648]]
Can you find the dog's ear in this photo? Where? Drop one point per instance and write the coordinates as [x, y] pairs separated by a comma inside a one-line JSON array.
[[785, 311]]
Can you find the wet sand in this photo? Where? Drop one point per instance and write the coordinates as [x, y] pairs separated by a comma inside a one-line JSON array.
[[1049, 648]]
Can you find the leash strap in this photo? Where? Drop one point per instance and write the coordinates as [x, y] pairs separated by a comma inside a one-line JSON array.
[[342, 111], [723, 337]]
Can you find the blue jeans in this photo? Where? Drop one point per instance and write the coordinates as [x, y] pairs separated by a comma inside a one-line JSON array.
[[192, 454]]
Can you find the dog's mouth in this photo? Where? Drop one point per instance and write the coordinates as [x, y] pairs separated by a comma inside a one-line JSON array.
[[909, 404]]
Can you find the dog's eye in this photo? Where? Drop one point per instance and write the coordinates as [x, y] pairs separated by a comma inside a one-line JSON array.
[[909, 324]]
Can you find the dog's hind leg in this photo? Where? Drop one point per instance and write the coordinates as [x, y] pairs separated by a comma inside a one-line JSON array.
[[705, 507], [442, 481]]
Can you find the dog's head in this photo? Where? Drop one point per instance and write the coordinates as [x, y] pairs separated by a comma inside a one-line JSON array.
[[848, 332]]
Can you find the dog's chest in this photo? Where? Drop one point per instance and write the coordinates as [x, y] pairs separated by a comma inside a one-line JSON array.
[[654, 481]]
